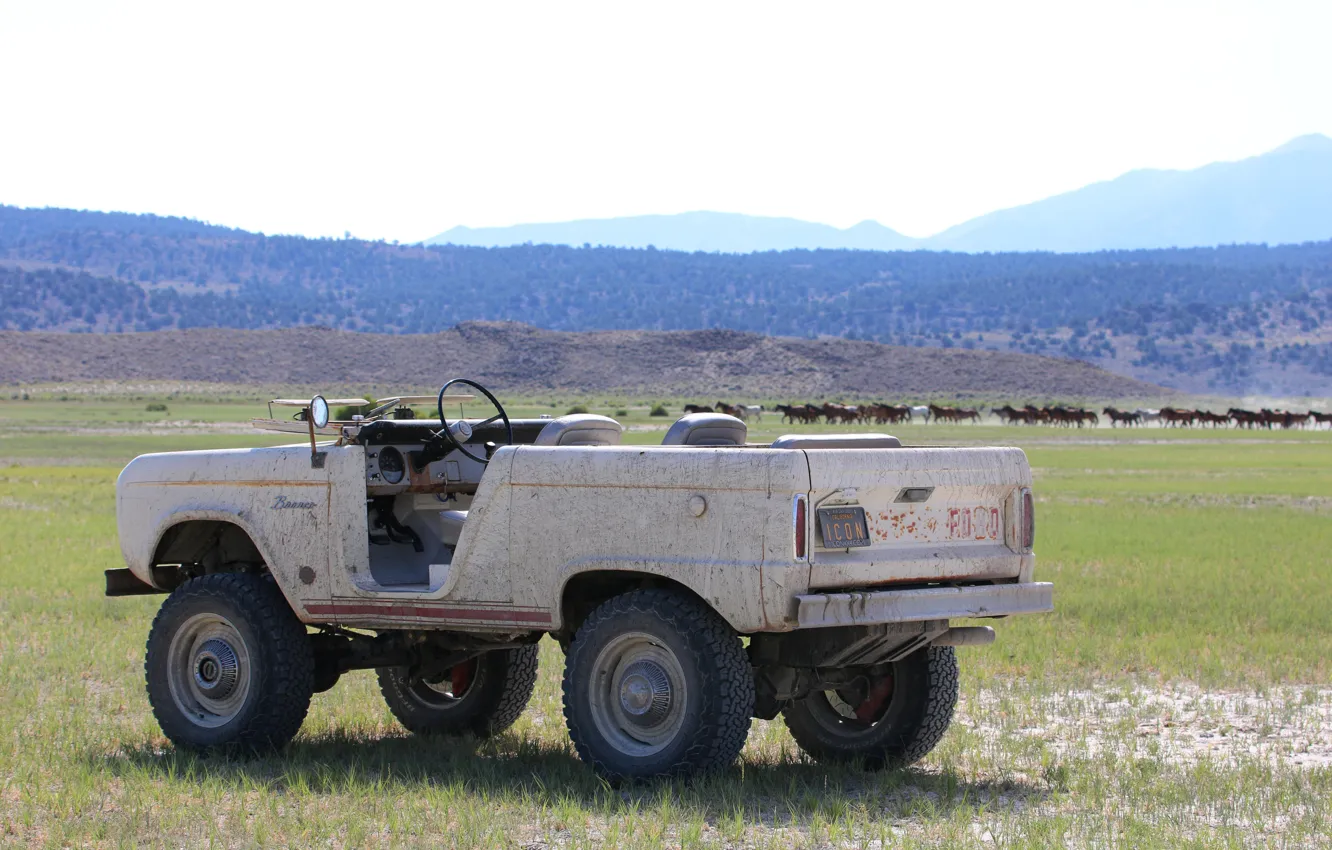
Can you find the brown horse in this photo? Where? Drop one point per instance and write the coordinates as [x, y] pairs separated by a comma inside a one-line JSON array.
[[1117, 416], [840, 413], [946, 414], [1176, 417], [797, 412]]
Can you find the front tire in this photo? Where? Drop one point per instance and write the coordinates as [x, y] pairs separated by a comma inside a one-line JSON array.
[[228, 664], [656, 684], [894, 722], [483, 696]]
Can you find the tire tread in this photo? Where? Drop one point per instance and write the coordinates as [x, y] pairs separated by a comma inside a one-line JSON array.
[[904, 746], [510, 681]]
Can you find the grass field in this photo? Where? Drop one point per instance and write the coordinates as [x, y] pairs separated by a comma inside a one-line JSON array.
[[1180, 696]]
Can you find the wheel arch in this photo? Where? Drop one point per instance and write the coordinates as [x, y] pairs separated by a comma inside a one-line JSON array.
[[212, 542], [582, 592], [219, 540]]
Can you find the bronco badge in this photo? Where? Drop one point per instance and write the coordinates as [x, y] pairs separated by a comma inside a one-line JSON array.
[[283, 503]]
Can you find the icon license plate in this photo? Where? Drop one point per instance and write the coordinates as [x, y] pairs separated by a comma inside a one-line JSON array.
[[843, 527]]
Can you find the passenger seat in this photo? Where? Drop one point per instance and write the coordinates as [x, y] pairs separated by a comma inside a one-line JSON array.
[[706, 429], [580, 429]]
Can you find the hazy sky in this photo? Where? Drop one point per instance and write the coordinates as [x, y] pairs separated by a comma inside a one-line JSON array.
[[398, 121]]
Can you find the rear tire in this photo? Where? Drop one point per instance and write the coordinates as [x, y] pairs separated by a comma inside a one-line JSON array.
[[483, 696], [901, 718], [228, 664], [656, 684]]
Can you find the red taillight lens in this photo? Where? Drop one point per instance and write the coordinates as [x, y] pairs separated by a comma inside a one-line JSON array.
[[798, 519], [1028, 520]]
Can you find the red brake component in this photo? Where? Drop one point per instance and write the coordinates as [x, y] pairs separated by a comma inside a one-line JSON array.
[[869, 710], [460, 676]]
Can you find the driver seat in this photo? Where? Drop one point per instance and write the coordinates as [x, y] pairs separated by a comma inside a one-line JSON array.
[[580, 429]]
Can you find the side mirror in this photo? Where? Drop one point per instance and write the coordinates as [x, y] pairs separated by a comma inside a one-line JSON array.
[[319, 411], [317, 415]]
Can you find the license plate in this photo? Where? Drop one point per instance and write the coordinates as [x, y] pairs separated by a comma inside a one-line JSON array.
[[843, 527]]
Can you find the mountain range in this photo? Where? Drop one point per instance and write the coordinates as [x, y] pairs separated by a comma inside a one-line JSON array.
[[1283, 196], [1238, 319]]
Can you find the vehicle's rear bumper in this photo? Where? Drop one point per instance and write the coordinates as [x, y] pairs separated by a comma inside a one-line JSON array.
[[817, 610]]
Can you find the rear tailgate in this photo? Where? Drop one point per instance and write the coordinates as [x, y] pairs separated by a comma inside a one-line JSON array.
[[934, 514]]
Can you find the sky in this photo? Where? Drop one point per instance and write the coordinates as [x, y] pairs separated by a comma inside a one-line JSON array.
[[399, 120]]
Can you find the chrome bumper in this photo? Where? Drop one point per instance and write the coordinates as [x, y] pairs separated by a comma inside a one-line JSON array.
[[935, 603]]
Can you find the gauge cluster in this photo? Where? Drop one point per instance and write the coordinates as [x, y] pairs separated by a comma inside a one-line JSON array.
[[388, 471], [392, 465]]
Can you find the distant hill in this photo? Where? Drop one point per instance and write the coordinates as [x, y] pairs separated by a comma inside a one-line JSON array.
[[1280, 197], [1232, 319], [694, 231], [704, 365]]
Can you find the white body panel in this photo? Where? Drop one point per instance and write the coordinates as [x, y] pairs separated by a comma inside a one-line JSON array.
[[717, 520]]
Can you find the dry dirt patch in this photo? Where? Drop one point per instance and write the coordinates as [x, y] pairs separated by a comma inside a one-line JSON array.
[[1286, 726]]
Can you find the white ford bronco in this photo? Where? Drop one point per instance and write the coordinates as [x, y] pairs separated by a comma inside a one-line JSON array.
[[692, 585]]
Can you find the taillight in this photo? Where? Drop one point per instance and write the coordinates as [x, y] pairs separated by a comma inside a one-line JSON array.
[[1028, 521], [798, 520]]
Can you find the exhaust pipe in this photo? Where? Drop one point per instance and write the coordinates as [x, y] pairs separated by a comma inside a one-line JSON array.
[[966, 636]]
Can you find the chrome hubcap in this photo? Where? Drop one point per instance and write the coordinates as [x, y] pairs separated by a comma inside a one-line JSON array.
[[645, 694], [216, 668]]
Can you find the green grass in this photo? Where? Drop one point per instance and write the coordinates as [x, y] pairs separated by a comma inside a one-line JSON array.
[[1193, 564]]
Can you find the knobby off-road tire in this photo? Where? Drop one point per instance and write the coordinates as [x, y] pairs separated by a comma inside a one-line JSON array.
[[498, 686], [228, 665], [656, 684], [910, 721]]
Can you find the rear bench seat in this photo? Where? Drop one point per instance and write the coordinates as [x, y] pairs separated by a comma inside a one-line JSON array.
[[836, 441]]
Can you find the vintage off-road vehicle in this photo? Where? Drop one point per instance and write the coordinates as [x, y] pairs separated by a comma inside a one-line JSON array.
[[692, 585]]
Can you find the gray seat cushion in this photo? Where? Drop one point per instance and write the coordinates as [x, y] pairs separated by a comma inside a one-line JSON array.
[[836, 441], [706, 429], [580, 429]]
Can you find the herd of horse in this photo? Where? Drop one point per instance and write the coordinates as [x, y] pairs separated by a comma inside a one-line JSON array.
[[1183, 418], [1072, 417]]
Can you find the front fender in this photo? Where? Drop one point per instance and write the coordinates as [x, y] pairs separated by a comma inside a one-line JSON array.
[[272, 495]]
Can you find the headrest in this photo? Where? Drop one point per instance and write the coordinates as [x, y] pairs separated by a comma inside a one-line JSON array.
[[836, 441], [580, 429], [706, 429]]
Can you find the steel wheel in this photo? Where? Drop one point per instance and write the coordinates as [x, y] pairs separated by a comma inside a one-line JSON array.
[[451, 689], [482, 696], [208, 670], [851, 714], [639, 694]]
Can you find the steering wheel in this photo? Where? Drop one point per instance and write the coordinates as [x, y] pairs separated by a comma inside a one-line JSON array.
[[465, 428]]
